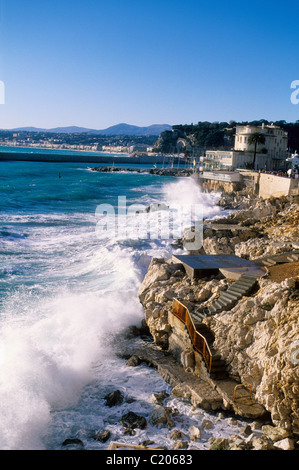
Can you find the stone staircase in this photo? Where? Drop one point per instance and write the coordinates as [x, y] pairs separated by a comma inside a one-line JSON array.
[[281, 258], [218, 368], [228, 299], [245, 285]]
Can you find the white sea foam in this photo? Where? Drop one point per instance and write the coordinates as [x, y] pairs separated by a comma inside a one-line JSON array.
[[73, 293], [49, 349]]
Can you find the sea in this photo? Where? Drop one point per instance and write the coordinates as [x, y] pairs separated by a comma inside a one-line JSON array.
[[68, 289]]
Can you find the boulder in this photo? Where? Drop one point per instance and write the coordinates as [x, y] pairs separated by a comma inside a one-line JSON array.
[[219, 443], [285, 444], [102, 436], [133, 361], [176, 435], [194, 433], [159, 397], [262, 443], [132, 421], [73, 442], [275, 433], [114, 398], [160, 415]]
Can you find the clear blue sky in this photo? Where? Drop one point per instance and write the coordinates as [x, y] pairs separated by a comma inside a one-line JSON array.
[[97, 63]]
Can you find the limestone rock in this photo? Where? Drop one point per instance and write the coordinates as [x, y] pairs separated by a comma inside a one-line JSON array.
[[194, 433], [176, 435], [160, 415], [262, 443], [133, 361], [206, 424], [285, 444], [275, 433], [158, 398], [219, 443]]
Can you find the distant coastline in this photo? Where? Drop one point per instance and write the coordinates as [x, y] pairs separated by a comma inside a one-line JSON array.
[[21, 149]]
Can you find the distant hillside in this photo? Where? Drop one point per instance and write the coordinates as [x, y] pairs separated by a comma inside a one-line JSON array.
[[119, 129], [127, 129]]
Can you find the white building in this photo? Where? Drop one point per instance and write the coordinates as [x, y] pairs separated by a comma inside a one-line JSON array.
[[270, 156], [276, 140]]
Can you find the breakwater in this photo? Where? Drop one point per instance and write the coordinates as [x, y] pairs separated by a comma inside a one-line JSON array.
[[48, 156], [152, 171]]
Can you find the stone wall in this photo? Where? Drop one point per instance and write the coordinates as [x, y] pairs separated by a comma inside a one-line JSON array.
[[276, 186]]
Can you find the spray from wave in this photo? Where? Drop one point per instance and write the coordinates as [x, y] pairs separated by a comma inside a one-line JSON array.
[[56, 325], [48, 352]]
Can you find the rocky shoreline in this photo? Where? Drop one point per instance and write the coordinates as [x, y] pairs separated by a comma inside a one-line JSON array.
[[257, 339], [174, 172]]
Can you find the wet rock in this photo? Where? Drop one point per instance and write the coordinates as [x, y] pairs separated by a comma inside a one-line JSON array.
[[158, 398], [131, 420], [129, 432], [246, 430], [206, 424], [194, 433], [181, 445], [102, 436], [146, 443], [114, 398], [73, 442], [133, 361], [160, 415], [176, 435]]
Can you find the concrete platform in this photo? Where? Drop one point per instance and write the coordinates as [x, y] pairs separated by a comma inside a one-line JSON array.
[[232, 267]]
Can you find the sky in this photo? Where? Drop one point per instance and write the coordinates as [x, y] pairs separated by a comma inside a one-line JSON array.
[[96, 63]]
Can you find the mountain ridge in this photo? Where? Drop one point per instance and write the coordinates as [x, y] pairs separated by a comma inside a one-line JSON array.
[[118, 129]]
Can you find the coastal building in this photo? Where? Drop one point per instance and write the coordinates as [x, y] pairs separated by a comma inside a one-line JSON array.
[[271, 154]]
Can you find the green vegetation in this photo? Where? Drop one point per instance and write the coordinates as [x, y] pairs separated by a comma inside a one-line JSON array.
[[216, 135]]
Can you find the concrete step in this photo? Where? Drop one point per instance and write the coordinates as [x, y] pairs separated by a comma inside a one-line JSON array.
[[269, 262], [245, 282], [218, 305], [227, 300], [252, 278], [213, 309], [198, 317], [231, 296], [241, 286], [238, 290], [223, 301]]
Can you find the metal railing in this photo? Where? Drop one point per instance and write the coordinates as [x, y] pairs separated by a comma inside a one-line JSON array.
[[242, 386], [199, 342]]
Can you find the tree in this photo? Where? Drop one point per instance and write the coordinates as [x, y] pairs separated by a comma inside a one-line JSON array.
[[256, 139]]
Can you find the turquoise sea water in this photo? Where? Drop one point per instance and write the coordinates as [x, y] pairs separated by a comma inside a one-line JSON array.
[[65, 293]]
